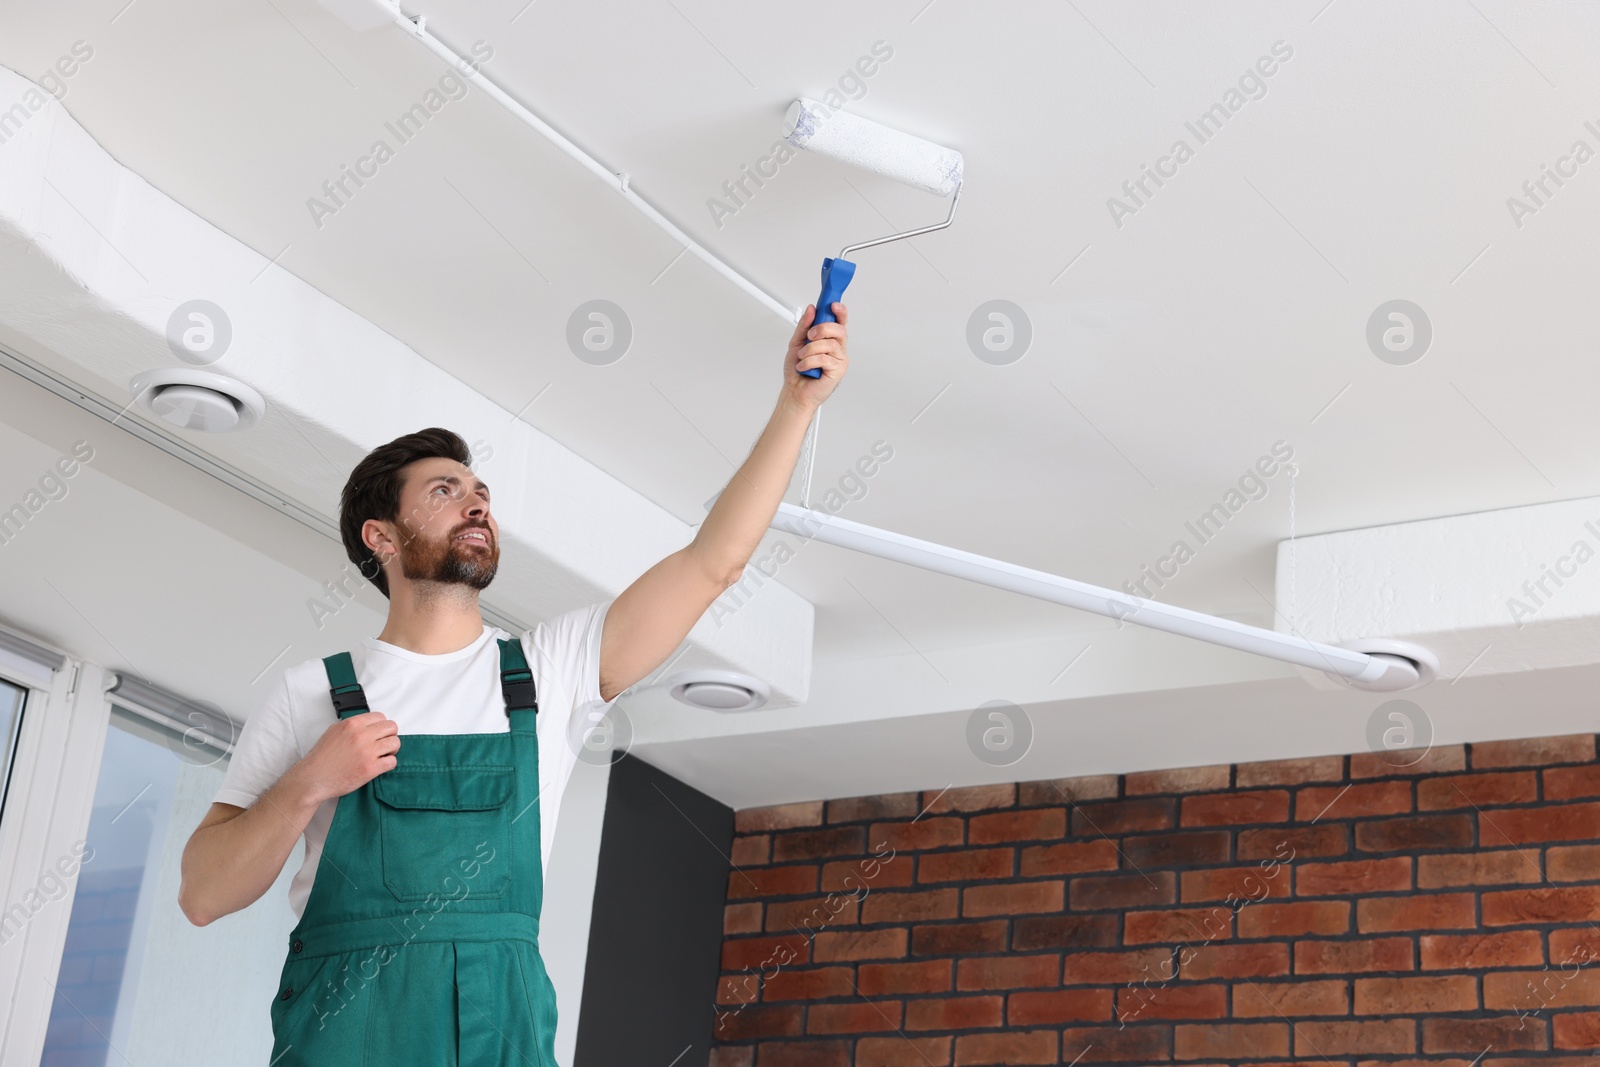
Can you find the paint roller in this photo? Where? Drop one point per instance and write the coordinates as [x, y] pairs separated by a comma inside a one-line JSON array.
[[881, 150]]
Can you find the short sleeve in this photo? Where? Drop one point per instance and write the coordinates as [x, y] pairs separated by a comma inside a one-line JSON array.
[[264, 752]]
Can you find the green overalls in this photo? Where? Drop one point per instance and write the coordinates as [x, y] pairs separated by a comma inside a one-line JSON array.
[[419, 943]]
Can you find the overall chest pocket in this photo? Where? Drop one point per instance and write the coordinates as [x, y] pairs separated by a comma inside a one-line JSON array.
[[445, 831]]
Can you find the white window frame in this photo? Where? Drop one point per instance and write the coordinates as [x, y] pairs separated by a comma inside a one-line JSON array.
[[50, 799]]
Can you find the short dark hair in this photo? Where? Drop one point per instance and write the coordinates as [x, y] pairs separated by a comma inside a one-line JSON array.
[[373, 490]]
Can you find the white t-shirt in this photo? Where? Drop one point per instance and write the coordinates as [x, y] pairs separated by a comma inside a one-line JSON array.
[[456, 692]]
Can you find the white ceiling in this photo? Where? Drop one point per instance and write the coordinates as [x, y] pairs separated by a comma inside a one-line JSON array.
[[1226, 314]]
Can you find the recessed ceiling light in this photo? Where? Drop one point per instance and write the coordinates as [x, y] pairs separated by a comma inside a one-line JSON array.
[[193, 399], [718, 690]]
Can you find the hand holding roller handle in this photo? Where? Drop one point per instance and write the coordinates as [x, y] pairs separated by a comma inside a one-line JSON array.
[[836, 275]]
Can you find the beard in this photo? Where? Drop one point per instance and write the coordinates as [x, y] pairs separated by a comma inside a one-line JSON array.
[[449, 561]]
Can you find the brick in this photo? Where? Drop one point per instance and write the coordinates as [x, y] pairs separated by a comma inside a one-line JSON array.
[[1175, 925], [1113, 818], [771, 882], [1235, 809], [790, 984], [1580, 946], [777, 817], [750, 850], [732, 1056], [1229, 1041], [809, 916], [1035, 1008], [1180, 780], [1099, 968], [819, 844], [1438, 911], [935, 832], [1327, 917], [834, 945], [1477, 868], [1290, 844], [1237, 883], [864, 809], [739, 988], [969, 798], [1476, 952], [1577, 1030], [881, 979], [1186, 849], [1075, 932], [1276, 1000], [1360, 801], [1069, 857], [1534, 751], [804, 1054], [1008, 972], [741, 918], [1414, 833], [1377, 955], [1568, 904], [1029, 824], [764, 952], [959, 939], [903, 1051], [1520, 826], [1572, 783], [953, 1013], [1477, 790], [1573, 863], [1572, 986], [867, 875], [1375, 1037], [910, 907], [1030, 1046], [1289, 771], [859, 1017], [968, 866], [1124, 891], [756, 1021], [1142, 1044], [1354, 876], [1232, 961], [1066, 790], [1474, 1035], [1417, 995], [1174, 1000], [1012, 898], [1441, 759]]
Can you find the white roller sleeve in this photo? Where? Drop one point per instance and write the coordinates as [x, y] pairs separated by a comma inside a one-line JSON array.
[[865, 144]]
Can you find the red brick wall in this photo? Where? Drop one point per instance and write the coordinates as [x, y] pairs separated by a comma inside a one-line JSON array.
[[1335, 910]]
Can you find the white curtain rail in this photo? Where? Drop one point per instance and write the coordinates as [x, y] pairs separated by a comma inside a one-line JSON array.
[[616, 179], [1398, 667]]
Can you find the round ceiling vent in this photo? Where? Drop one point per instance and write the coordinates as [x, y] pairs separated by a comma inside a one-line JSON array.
[[718, 690], [193, 399]]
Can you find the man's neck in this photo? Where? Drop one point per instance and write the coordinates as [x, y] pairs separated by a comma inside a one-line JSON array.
[[430, 618]]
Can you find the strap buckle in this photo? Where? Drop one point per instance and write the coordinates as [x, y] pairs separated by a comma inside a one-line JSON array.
[[519, 690], [348, 700]]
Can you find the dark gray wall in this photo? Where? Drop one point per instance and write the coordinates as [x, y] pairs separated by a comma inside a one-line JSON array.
[[655, 938]]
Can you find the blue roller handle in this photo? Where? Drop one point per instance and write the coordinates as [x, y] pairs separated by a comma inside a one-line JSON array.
[[836, 274]]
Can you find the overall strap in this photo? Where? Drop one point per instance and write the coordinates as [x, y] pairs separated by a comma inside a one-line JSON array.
[[516, 680], [342, 684]]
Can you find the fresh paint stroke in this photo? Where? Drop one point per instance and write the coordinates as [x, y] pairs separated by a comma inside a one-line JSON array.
[[407, 125], [1252, 85]]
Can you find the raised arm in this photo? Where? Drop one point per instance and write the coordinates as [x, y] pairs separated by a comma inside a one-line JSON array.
[[652, 616]]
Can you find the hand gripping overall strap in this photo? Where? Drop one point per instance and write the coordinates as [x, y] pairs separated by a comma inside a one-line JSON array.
[[516, 680], [346, 691]]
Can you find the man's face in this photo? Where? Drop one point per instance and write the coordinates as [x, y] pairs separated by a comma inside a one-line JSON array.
[[444, 531]]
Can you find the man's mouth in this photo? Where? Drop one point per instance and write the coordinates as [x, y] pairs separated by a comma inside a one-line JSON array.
[[475, 537]]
